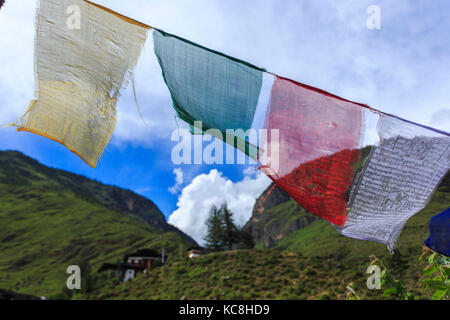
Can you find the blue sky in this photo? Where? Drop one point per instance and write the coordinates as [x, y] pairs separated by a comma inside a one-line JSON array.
[[401, 69]]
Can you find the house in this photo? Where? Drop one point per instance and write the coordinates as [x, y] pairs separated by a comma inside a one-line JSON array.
[[140, 261], [195, 252], [123, 271], [143, 259]]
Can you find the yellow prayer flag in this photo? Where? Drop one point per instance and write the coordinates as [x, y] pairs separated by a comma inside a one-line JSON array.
[[84, 55]]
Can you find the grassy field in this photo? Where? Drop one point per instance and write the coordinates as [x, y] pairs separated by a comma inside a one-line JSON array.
[[312, 263], [47, 226], [248, 274]]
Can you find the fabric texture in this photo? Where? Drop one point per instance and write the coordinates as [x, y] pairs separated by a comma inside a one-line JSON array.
[[319, 139], [207, 85], [397, 180], [83, 57], [439, 239]]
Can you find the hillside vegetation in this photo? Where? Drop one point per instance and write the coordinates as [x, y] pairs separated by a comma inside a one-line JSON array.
[[314, 262], [51, 219]]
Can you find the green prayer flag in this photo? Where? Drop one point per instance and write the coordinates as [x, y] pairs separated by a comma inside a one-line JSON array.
[[208, 86]]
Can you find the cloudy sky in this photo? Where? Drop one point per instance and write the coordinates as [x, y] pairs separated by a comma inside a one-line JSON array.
[[402, 68]]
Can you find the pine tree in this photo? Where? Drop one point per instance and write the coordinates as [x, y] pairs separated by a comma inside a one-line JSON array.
[[214, 237], [230, 231], [246, 240]]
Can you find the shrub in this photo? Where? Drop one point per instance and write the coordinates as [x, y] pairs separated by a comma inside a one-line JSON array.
[[310, 272], [180, 270]]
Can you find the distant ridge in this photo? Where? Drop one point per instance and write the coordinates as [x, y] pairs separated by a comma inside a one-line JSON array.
[[51, 219]]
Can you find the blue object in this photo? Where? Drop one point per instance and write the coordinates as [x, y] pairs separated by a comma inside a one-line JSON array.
[[439, 239]]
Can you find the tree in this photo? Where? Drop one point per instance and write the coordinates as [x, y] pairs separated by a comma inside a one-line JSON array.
[[246, 240], [230, 231], [223, 233], [214, 236]]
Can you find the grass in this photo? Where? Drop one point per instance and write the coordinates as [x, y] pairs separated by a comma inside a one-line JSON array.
[[311, 263], [242, 274], [47, 226]]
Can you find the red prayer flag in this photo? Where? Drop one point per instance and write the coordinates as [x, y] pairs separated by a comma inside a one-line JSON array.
[[319, 141]]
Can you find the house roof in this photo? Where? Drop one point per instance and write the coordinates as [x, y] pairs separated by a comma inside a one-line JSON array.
[[143, 253], [195, 248]]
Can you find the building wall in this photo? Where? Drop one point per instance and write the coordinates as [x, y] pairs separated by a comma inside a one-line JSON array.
[[129, 275], [194, 254]]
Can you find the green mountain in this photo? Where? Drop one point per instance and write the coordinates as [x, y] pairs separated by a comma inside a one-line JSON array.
[[276, 215], [305, 258], [278, 222], [237, 274], [274, 225], [51, 219]]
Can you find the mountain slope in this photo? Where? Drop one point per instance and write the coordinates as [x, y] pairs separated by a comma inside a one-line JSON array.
[[314, 262], [51, 219], [299, 231], [320, 238], [275, 216], [18, 169], [239, 274], [46, 227]]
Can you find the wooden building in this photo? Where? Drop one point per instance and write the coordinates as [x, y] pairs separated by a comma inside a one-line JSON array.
[[195, 252], [140, 261]]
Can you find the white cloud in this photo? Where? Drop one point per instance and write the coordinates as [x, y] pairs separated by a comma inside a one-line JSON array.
[[178, 181], [213, 188], [251, 171]]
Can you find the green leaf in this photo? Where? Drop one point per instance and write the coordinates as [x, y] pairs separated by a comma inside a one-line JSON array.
[[446, 271], [429, 270], [385, 278], [431, 258], [439, 294], [409, 295], [390, 292], [435, 284]]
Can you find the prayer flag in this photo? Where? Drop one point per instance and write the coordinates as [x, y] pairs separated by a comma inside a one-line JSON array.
[[439, 239], [207, 85], [397, 180], [319, 140], [84, 54]]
